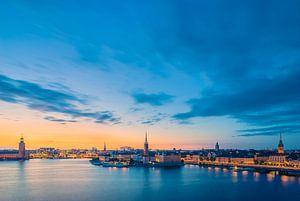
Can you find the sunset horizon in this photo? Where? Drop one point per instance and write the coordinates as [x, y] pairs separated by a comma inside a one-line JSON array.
[[112, 100]]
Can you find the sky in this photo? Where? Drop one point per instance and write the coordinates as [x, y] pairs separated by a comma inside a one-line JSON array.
[[190, 73]]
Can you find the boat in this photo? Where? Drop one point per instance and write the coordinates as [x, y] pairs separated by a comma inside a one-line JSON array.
[[95, 162], [115, 164], [164, 165]]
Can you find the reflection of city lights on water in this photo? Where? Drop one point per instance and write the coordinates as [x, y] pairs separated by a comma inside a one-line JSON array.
[[256, 176], [287, 179], [234, 177], [245, 172], [270, 176], [125, 169], [284, 179], [245, 175], [292, 179]]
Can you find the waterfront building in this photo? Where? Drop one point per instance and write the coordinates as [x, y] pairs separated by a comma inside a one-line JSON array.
[[277, 159], [242, 160], [20, 154], [123, 157], [94, 150], [191, 159], [261, 159], [126, 148], [165, 159], [280, 149], [222, 159], [295, 163], [8, 154], [211, 155]]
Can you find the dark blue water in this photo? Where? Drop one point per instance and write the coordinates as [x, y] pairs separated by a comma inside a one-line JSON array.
[[78, 180]]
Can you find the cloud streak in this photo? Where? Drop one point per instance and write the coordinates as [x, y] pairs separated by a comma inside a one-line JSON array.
[[269, 102], [154, 99], [54, 119], [154, 119], [38, 98]]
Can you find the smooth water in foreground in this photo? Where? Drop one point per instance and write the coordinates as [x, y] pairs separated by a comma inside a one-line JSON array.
[[78, 180]]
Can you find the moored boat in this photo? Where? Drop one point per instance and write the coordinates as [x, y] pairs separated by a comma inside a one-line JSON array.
[[95, 162], [115, 164]]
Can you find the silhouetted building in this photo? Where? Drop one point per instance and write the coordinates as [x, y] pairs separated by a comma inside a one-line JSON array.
[[280, 149], [104, 147], [217, 147], [146, 150]]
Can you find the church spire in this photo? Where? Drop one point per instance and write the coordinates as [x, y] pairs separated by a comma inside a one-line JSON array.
[[280, 137], [146, 138], [280, 149], [280, 140], [146, 146]]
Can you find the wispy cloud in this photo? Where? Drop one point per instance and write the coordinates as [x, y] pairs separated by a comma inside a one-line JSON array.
[[135, 109], [42, 99], [154, 99], [154, 119], [270, 131], [105, 116], [54, 119]]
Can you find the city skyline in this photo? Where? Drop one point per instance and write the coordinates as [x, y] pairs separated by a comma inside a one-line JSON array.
[[191, 74], [146, 146]]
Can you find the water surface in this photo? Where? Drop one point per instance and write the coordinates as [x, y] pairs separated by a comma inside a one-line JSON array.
[[78, 180]]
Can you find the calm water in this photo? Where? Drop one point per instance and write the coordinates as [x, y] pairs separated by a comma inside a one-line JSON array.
[[78, 180]]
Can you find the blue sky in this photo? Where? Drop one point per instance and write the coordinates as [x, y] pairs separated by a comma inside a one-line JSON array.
[[191, 73]]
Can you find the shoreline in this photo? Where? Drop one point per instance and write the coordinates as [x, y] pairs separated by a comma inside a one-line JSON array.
[[287, 171]]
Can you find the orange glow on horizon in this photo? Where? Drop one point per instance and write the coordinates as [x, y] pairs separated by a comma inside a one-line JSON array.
[[38, 133], [85, 135]]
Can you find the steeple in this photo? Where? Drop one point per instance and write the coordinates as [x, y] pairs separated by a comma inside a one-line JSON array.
[[104, 147], [280, 141], [280, 149], [146, 138], [146, 146]]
